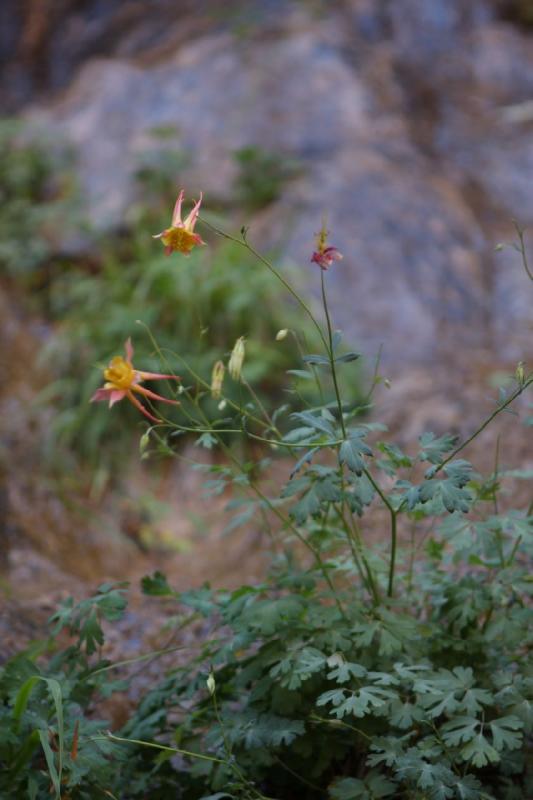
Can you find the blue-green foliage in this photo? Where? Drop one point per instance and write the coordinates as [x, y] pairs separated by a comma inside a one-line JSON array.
[[425, 696]]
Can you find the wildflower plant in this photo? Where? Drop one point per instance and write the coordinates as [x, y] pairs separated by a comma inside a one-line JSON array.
[[385, 654]]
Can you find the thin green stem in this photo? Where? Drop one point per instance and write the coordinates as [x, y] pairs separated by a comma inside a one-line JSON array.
[[310, 366], [495, 478], [271, 424], [157, 746], [392, 565], [144, 657], [412, 549], [277, 442], [513, 551], [353, 536], [355, 554], [227, 745], [331, 355], [375, 377], [512, 397], [341, 724], [394, 536], [522, 249], [243, 242]]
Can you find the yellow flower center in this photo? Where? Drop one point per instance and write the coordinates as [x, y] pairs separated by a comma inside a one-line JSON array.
[[119, 374], [180, 239]]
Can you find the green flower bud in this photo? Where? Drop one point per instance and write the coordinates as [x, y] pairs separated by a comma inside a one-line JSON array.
[[236, 359], [217, 378]]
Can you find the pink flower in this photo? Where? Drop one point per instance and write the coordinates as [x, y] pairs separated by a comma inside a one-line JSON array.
[[122, 380], [180, 237], [325, 255]]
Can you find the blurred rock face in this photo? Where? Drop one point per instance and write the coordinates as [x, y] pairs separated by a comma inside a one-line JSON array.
[[412, 122]]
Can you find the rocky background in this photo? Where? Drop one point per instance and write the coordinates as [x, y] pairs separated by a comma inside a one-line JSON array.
[[411, 121]]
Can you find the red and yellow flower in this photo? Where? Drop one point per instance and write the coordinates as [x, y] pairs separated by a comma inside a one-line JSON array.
[[325, 254], [180, 237], [123, 380]]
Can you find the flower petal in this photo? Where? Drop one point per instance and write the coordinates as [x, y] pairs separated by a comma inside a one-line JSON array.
[[115, 395], [131, 397], [147, 376], [99, 395], [176, 215], [191, 218], [128, 347], [153, 396]]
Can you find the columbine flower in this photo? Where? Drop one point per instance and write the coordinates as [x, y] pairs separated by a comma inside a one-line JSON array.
[[180, 237], [123, 380], [236, 359], [217, 378], [325, 255]]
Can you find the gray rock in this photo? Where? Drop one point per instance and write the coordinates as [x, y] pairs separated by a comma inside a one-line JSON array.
[[406, 143]]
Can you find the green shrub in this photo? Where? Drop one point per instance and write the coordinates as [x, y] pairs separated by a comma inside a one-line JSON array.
[[309, 684], [378, 659], [262, 176], [49, 745], [37, 196]]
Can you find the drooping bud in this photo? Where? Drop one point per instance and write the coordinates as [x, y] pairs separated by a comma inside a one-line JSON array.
[[222, 405], [217, 379], [282, 334], [144, 442], [236, 359]]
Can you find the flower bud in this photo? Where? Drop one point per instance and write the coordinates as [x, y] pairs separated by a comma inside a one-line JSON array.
[[144, 442], [211, 685], [236, 359], [222, 405], [519, 373], [217, 378], [282, 334]]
